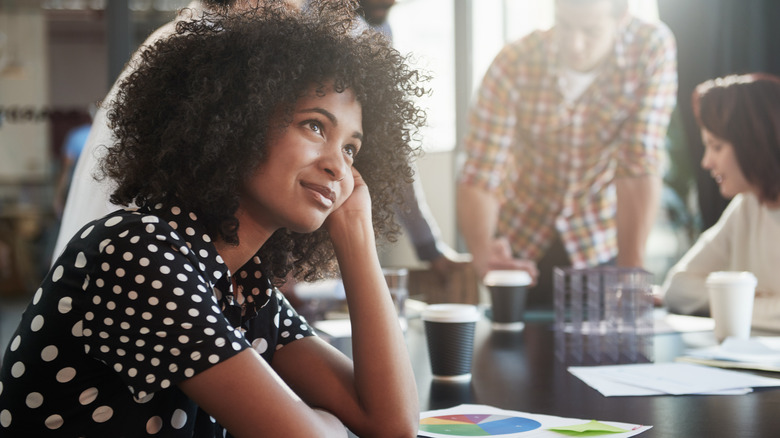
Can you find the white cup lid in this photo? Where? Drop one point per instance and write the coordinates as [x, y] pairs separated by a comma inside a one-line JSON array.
[[450, 312], [724, 278], [507, 278]]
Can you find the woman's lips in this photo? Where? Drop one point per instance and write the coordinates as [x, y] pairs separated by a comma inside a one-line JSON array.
[[322, 194]]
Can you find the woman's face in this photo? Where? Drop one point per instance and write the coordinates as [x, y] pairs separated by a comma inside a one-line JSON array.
[[307, 173], [720, 160]]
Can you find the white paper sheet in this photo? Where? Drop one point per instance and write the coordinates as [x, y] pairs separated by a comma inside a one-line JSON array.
[[672, 323], [760, 350], [668, 378], [338, 328], [342, 328], [505, 418]]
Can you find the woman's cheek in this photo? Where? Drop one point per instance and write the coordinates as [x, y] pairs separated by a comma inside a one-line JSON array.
[[348, 186]]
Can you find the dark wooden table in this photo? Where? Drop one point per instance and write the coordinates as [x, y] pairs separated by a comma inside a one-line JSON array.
[[519, 371]]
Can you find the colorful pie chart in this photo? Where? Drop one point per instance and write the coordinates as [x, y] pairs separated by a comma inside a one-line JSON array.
[[477, 425]]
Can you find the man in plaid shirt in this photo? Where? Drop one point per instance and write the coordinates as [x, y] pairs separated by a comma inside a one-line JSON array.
[[565, 146]]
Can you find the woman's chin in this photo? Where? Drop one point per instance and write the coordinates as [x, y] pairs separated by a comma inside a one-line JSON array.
[[728, 194], [306, 228]]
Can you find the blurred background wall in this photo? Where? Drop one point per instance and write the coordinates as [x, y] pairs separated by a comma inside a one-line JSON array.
[[59, 56]]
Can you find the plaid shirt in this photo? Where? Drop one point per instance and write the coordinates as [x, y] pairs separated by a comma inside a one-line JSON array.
[[552, 165]]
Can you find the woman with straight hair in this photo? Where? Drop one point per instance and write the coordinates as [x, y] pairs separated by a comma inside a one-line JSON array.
[[739, 117]]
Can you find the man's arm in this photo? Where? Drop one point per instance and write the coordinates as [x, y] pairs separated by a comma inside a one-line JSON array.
[[418, 221], [423, 231], [637, 205], [477, 212], [638, 180], [489, 141]]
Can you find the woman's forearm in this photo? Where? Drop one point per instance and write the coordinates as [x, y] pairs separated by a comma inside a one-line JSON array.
[[384, 380]]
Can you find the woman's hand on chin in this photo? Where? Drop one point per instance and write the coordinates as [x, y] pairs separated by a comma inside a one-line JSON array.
[[356, 208]]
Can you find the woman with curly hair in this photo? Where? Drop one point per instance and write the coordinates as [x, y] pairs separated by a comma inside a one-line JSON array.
[[250, 144], [87, 198], [739, 116]]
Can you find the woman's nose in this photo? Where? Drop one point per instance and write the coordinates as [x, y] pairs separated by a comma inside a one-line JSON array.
[[334, 163], [705, 160]]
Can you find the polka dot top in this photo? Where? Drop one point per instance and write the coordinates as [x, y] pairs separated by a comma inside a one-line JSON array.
[[138, 302]]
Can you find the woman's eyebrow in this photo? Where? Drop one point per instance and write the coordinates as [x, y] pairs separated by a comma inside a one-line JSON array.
[[357, 135], [322, 111]]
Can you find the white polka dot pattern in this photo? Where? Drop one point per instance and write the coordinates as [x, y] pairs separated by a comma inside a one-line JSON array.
[[127, 312]]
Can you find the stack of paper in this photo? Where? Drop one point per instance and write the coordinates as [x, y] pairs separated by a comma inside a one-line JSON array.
[[760, 353], [668, 378]]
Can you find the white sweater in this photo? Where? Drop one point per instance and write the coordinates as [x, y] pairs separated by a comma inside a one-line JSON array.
[[88, 198], [746, 238]]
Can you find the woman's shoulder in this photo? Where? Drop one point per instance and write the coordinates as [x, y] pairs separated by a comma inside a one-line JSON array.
[[743, 216], [121, 223], [743, 207], [128, 227]]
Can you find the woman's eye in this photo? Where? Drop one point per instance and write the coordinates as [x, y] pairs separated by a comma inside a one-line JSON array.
[[315, 126], [714, 147], [351, 150]]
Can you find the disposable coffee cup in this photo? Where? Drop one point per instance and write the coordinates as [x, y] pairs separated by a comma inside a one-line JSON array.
[[449, 330], [508, 289], [731, 303]]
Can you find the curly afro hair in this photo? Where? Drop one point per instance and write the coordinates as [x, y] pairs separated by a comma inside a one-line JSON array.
[[192, 120]]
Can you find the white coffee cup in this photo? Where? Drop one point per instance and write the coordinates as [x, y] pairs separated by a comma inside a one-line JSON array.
[[731, 303]]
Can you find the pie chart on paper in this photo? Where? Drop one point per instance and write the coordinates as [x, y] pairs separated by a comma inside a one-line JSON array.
[[477, 425]]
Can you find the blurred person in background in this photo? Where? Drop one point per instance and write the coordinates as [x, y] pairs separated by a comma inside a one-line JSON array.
[[413, 211], [739, 118], [74, 143], [563, 156]]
